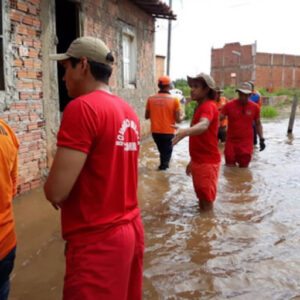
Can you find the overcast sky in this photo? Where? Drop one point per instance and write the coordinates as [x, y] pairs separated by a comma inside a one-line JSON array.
[[203, 24]]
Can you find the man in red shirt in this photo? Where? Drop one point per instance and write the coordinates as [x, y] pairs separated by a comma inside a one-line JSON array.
[[203, 145], [163, 110], [241, 114], [93, 180]]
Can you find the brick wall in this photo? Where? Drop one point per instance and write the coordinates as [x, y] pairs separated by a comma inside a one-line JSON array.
[[225, 63], [272, 71], [23, 96], [24, 106]]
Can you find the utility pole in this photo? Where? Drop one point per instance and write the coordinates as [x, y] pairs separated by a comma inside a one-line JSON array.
[[169, 42]]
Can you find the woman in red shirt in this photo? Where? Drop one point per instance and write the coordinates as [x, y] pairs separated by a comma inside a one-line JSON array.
[[203, 145]]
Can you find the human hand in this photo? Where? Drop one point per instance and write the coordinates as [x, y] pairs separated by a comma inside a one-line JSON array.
[[262, 144], [179, 135]]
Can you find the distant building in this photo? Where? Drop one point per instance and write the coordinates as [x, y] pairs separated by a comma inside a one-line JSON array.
[[235, 63], [159, 66]]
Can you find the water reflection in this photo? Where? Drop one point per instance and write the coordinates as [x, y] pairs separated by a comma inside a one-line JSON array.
[[248, 247]]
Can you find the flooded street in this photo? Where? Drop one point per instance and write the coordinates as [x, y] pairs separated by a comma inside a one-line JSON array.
[[248, 247]]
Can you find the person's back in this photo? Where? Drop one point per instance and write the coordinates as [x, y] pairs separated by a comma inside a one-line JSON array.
[[163, 107], [163, 110], [8, 188], [105, 193], [93, 179]]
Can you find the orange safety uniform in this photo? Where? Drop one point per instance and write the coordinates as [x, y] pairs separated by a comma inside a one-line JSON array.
[[220, 104], [162, 108], [8, 187]]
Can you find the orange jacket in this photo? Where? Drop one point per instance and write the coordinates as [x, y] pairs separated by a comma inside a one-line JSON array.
[[162, 108], [220, 104], [8, 187]]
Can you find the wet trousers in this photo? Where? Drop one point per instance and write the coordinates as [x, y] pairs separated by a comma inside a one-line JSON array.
[[205, 180], [164, 145], [6, 266], [109, 269], [239, 152]]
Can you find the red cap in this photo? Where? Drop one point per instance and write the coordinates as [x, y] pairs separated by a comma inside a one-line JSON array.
[[164, 80]]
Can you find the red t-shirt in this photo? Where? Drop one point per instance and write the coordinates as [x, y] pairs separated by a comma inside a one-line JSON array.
[[204, 147], [105, 194], [240, 120]]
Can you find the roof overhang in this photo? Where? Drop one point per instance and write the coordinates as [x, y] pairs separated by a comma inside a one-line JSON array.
[[156, 8]]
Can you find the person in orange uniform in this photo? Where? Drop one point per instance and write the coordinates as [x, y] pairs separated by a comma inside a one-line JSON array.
[[8, 188], [163, 110], [220, 102], [241, 114], [256, 98], [203, 144]]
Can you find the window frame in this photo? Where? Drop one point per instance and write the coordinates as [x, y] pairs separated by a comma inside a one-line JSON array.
[[129, 63]]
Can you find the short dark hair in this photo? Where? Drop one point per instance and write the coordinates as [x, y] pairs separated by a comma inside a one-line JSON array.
[[163, 86], [99, 71]]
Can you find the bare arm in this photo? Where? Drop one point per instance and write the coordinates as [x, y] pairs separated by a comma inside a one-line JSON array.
[[197, 129], [178, 116], [65, 170]]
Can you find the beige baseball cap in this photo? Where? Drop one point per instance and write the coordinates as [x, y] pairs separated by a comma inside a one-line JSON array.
[[92, 48], [207, 78], [245, 88]]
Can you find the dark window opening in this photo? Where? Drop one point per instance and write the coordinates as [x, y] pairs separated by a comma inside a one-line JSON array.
[[67, 29]]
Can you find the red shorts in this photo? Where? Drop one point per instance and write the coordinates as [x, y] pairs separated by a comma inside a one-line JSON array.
[[240, 153], [109, 269], [205, 179]]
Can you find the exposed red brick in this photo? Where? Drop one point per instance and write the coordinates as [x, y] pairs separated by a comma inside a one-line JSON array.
[[18, 63], [15, 16], [22, 6]]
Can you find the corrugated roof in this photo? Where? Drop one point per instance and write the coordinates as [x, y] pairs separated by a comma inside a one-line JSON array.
[[156, 8]]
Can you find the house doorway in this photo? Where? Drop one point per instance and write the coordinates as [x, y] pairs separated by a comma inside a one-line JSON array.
[[67, 29]]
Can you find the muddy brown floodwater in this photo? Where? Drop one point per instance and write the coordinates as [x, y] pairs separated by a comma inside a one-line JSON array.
[[248, 247]]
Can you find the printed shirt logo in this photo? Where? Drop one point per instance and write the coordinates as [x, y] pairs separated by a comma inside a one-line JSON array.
[[128, 145]]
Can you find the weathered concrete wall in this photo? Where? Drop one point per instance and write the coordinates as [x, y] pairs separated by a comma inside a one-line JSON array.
[[115, 16], [30, 101]]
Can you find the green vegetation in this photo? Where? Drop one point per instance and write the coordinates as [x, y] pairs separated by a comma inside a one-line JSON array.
[[182, 85], [268, 112], [230, 93], [189, 109]]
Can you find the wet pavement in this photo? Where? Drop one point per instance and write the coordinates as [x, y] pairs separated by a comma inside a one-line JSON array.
[[248, 247]]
